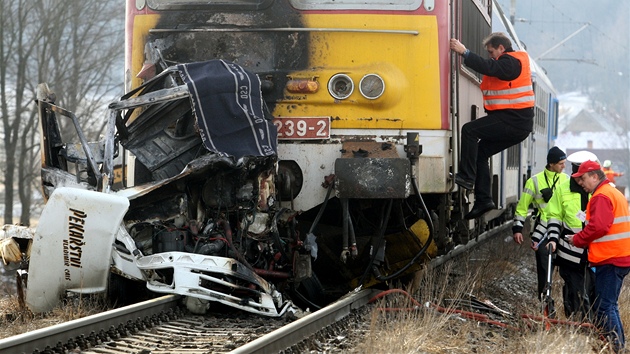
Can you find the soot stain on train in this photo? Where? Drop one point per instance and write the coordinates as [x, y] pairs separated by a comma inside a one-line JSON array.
[[271, 52]]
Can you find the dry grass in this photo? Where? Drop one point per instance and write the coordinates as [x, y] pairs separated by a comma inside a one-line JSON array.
[[424, 330], [503, 273], [16, 320]]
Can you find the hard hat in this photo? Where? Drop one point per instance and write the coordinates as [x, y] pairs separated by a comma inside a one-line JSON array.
[[578, 157], [607, 163]]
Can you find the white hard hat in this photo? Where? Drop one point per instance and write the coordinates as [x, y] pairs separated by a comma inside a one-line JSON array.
[[580, 156], [607, 163]]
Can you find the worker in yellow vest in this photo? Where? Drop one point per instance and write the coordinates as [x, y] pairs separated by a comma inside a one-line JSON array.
[[567, 204], [537, 193]]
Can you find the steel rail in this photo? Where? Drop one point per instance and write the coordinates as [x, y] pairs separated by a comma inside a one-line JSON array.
[[51, 336], [477, 241], [305, 327]]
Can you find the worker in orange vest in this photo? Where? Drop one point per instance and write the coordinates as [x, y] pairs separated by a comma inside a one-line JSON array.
[[610, 174], [607, 235], [508, 99]]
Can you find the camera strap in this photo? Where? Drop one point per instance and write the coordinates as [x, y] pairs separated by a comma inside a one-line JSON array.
[[555, 179]]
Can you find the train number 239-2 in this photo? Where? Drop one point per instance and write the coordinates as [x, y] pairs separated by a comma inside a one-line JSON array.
[[302, 127]]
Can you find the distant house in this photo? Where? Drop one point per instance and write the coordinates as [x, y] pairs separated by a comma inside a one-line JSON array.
[[584, 127]]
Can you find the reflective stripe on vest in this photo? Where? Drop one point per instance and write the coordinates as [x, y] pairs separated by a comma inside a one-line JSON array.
[[568, 252], [568, 257], [514, 94], [508, 91], [508, 102], [538, 198], [616, 243], [574, 230]]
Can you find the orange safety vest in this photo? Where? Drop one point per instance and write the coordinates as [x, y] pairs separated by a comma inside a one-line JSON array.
[[616, 243], [610, 174], [515, 94]]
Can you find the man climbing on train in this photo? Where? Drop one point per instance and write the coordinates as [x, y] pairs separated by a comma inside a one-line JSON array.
[[508, 99]]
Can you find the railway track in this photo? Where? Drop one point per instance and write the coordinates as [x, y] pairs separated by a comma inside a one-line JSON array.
[[162, 326]]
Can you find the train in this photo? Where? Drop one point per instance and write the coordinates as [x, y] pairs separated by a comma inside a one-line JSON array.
[[273, 155]]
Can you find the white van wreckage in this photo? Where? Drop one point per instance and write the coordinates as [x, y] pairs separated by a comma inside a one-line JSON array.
[[200, 217]]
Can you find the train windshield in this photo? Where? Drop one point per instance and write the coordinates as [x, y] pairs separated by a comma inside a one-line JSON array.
[[219, 4], [358, 4]]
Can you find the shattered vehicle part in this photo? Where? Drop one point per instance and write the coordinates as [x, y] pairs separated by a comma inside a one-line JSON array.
[[220, 279], [72, 245], [205, 161]]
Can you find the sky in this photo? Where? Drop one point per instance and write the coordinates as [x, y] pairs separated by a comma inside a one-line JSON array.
[[583, 45]]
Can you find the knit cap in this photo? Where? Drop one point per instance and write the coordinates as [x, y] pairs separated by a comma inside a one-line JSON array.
[[555, 155]]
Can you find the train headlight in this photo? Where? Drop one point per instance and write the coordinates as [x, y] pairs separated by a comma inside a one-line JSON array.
[[340, 86], [372, 86]]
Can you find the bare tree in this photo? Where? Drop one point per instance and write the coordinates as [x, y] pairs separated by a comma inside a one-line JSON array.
[[74, 46], [15, 53]]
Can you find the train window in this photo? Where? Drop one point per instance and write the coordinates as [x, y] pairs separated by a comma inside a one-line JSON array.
[[215, 4], [553, 118], [541, 110], [513, 157], [475, 27], [360, 4]]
